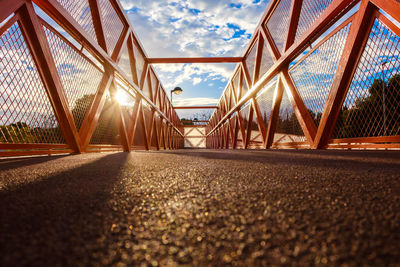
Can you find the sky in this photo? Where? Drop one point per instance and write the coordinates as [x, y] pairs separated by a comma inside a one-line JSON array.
[[194, 28]]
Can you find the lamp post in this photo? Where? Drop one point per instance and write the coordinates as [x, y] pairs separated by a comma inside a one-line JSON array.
[[177, 91]]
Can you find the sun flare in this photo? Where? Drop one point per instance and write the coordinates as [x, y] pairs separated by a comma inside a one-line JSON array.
[[122, 98]]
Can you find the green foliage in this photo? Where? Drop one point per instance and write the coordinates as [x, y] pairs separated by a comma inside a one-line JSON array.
[[289, 125], [80, 108], [377, 114], [20, 132]]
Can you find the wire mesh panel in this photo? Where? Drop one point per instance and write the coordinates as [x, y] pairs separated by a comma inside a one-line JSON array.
[[313, 76], [126, 102], [232, 97], [265, 100], [160, 130], [288, 128], [222, 106], [147, 116], [244, 88], [146, 88], [236, 84], [244, 114], [233, 125], [80, 77], [371, 107], [167, 108], [139, 135], [266, 59], [124, 62], [154, 83], [80, 11], [162, 135], [222, 136], [227, 134], [112, 24], [229, 142], [251, 60], [310, 11], [278, 24], [256, 139], [139, 60], [107, 129], [153, 139], [228, 98], [26, 113], [160, 98]]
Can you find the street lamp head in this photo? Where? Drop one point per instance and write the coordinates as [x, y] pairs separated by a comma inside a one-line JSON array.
[[177, 90]]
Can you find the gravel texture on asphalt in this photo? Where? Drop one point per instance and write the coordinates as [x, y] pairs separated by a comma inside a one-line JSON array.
[[202, 207]]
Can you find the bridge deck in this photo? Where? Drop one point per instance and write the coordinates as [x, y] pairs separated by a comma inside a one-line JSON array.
[[201, 207]]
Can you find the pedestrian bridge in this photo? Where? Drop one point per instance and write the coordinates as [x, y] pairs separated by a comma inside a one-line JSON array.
[[277, 183]]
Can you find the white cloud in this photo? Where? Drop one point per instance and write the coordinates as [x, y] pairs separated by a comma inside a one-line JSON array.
[[194, 28], [196, 80], [171, 28], [175, 74]]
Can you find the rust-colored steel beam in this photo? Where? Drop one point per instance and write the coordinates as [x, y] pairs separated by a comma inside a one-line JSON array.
[[8, 7], [248, 126], [257, 65], [132, 60], [121, 121], [98, 23], [196, 107], [358, 36], [294, 21], [267, 14], [303, 116], [327, 18], [274, 116], [268, 38], [184, 60], [391, 7], [144, 128], [93, 114], [47, 69], [259, 118], [135, 118], [62, 17], [151, 129]]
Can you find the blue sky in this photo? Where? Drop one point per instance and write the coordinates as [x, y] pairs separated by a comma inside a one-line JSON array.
[[195, 28]]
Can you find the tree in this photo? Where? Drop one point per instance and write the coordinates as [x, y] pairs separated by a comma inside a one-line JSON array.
[[374, 114], [80, 108]]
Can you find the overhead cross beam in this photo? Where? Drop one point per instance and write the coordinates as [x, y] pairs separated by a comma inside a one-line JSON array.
[[183, 60], [196, 107]]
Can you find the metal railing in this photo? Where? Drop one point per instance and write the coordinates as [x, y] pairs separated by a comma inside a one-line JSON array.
[[74, 78], [316, 74]]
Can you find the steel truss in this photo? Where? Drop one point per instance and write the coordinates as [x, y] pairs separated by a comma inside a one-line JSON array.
[[59, 89], [311, 77], [316, 74]]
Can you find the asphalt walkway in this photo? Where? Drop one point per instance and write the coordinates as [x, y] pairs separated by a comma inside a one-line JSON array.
[[201, 207]]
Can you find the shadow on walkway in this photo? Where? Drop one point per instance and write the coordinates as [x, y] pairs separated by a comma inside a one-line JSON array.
[[41, 221], [8, 164]]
